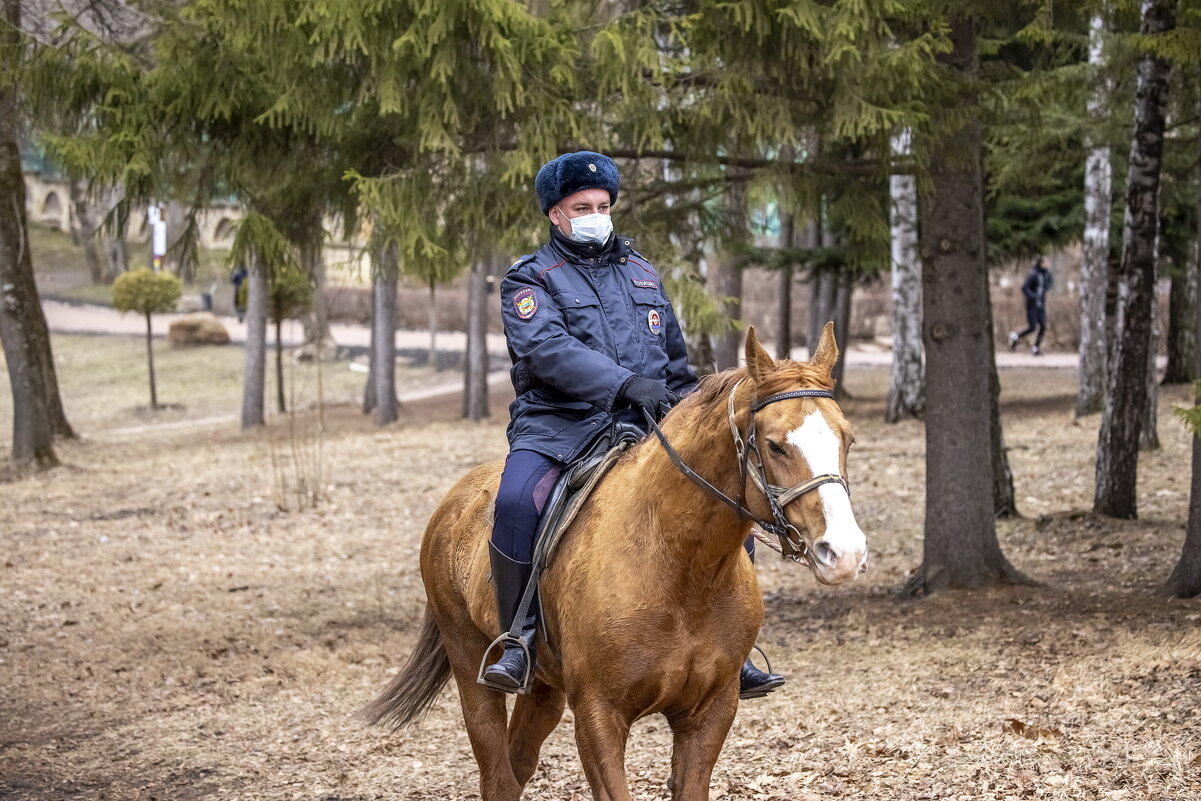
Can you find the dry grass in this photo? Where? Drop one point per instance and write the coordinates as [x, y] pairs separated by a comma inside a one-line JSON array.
[[106, 390], [169, 634]]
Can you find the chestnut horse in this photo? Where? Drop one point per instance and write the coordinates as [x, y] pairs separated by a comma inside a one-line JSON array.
[[650, 603]]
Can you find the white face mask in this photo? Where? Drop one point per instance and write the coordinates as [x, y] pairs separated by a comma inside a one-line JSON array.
[[593, 228]]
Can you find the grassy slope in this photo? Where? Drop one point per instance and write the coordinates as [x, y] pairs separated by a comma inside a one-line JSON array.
[[61, 272]]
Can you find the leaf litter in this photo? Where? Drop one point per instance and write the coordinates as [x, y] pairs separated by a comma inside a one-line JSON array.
[[167, 632]]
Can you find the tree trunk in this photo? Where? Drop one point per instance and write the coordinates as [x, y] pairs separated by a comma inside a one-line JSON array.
[[33, 435], [432, 361], [727, 283], [281, 403], [1182, 340], [1094, 268], [843, 295], [824, 288], [1126, 390], [1004, 500], [1185, 580], [369, 386], [475, 372], [961, 548], [85, 229], [37, 407], [316, 319], [150, 363], [823, 291], [784, 294], [383, 323], [1148, 432], [906, 385], [177, 227], [256, 346], [115, 226]]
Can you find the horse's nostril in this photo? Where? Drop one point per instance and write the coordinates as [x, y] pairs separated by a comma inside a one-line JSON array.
[[825, 554]]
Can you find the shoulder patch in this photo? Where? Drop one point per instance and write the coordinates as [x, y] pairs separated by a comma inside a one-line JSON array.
[[525, 301]]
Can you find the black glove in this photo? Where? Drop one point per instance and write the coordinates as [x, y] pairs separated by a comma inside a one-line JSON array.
[[649, 394]]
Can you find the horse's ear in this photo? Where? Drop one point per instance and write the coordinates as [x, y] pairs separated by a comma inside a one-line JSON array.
[[758, 362], [826, 353]]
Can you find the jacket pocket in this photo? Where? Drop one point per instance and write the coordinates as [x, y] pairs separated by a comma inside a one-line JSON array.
[[585, 317], [650, 316]]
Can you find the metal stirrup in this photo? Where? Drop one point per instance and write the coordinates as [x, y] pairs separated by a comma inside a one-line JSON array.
[[506, 638]]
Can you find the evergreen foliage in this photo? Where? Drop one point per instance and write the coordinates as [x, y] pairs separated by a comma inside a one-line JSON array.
[[291, 295]]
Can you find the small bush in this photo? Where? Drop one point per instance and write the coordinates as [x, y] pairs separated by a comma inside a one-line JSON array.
[[146, 292]]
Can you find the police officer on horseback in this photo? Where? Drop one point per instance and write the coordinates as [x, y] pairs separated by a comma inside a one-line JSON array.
[[593, 339]]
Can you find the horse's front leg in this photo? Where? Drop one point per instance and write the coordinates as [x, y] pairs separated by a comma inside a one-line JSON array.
[[601, 732], [698, 737]]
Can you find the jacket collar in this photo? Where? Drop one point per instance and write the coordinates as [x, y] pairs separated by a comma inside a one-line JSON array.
[[586, 253]]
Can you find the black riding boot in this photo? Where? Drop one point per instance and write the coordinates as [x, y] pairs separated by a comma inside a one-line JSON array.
[[753, 682], [514, 670]]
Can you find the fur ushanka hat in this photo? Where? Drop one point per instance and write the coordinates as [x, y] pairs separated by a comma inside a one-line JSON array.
[[572, 172]]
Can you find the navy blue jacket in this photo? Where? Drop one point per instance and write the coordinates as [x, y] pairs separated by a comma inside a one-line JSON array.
[[580, 320], [1036, 285]]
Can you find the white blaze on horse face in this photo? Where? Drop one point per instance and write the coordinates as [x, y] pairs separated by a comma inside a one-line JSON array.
[[822, 449]]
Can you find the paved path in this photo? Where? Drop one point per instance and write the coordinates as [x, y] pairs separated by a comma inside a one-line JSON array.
[[90, 319], [69, 318]]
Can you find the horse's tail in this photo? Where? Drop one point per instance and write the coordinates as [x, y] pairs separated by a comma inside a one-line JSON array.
[[412, 691]]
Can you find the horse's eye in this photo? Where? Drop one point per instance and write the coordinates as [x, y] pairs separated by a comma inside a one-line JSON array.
[[774, 448]]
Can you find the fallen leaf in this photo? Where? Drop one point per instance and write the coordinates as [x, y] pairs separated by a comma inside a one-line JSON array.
[[1022, 729]]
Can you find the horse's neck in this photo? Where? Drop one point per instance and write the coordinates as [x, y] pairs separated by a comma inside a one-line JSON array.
[[695, 530]]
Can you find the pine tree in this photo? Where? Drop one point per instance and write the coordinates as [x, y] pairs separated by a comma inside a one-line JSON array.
[[38, 415], [961, 548]]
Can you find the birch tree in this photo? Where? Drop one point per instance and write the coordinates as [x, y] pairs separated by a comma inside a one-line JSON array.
[[906, 384], [1126, 391], [1094, 266]]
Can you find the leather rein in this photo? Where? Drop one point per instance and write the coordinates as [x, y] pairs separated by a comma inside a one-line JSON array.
[[792, 544]]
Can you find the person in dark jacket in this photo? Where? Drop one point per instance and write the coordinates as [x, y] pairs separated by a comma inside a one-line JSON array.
[[238, 279], [592, 338], [1034, 289]]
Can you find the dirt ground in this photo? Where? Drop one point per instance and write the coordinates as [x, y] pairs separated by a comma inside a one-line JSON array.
[[168, 633]]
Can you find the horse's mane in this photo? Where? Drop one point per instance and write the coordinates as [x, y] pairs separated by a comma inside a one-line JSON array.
[[788, 375]]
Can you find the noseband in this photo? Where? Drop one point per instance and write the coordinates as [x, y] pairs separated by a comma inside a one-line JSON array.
[[792, 545]]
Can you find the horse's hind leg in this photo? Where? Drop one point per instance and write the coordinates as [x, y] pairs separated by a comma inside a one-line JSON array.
[[534, 718], [484, 713]]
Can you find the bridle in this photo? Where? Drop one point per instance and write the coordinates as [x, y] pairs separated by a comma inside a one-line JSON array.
[[792, 544]]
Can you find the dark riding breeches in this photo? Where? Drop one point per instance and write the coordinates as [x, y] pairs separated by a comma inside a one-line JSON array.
[[525, 485]]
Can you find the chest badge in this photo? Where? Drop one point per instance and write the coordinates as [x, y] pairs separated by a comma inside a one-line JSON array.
[[654, 322], [525, 301]]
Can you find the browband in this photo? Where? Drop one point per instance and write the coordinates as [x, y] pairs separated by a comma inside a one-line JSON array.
[[796, 393]]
